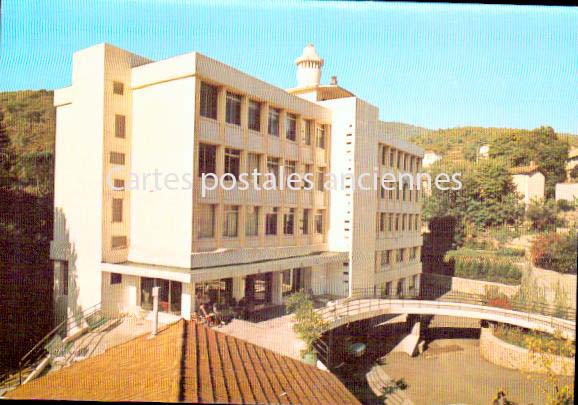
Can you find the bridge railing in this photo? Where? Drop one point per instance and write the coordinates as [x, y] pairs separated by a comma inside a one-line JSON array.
[[437, 294], [355, 306]]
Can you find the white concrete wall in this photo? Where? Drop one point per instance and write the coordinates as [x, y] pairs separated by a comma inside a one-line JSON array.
[[79, 161], [566, 191], [529, 186], [163, 140]]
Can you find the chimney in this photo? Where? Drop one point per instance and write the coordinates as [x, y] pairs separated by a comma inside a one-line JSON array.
[[334, 80]]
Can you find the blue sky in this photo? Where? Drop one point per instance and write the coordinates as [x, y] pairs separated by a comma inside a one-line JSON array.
[[436, 66]]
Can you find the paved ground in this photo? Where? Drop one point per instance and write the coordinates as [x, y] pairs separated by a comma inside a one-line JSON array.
[[452, 371], [275, 334]]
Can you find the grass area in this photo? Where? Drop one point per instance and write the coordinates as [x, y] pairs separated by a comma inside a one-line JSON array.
[[521, 338]]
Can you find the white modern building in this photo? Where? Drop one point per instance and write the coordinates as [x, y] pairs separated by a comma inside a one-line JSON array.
[[126, 119]]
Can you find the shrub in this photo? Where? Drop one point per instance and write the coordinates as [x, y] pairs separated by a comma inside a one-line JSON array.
[[309, 324], [513, 252], [541, 214], [483, 265], [550, 344], [556, 252], [565, 205]]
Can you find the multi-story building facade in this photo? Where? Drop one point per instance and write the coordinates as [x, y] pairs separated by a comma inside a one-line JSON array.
[[135, 137]]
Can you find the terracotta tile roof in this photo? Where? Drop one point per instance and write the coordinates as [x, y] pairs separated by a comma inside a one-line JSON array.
[[191, 363], [530, 169]]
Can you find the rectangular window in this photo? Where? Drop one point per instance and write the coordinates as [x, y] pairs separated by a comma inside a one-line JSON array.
[[292, 281], [399, 257], [385, 258], [206, 221], [271, 221], [273, 167], [413, 253], [403, 222], [383, 155], [230, 221], [397, 222], [253, 166], [115, 278], [118, 242], [233, 111], [307, 127], [320, 179], [319, 225], [273, 121], [252, 221], [288, 221], [399, 160], [119, 126], [305, 221], [116, 158], [308, 175], [391, 158], [232, 162], [382, 221], [291, 168], [390, 223], [64, 269], [320, 137], [117, 210], [119, 184], [207, 159], [291, 127], [209, 101], [254, 115], [118, 88]]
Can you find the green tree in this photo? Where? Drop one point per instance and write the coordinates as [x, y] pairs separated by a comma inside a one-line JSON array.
[[541, 145], [574, 173]]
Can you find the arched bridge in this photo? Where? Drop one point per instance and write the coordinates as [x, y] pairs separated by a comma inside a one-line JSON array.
[[353, 309]]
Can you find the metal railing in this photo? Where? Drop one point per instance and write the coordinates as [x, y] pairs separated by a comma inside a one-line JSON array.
[[39, 351], [439, 294], [368, 300]]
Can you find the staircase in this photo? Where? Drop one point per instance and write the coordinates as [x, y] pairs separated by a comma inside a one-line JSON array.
[[377, 379]]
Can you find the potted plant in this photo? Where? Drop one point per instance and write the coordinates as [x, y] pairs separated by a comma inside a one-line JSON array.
[[308, 324]]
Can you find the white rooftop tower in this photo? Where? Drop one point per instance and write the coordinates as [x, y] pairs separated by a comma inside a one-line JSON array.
[[309, 66]]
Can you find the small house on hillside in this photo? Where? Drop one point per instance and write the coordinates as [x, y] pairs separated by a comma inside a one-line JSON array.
[[430, 157], [529, 181]]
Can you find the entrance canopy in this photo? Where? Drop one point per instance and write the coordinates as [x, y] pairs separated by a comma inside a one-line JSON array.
[[186, 275]]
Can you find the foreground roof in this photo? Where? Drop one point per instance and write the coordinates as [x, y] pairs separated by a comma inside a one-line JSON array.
[[192, 363]]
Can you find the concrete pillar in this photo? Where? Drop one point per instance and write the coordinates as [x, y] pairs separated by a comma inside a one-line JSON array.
[[276, 288], [238, 288], [187, 300]]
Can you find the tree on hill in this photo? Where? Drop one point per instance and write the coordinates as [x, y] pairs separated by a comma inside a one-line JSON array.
[[542, 146], [5, 153], [487, 197]]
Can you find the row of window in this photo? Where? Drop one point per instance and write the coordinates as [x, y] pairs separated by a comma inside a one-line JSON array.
[[394, 158], [118, 158], [231, 226], [405, 255], [207, 164], [209, 106], [388, 222], [405, 194], [403, 286]]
